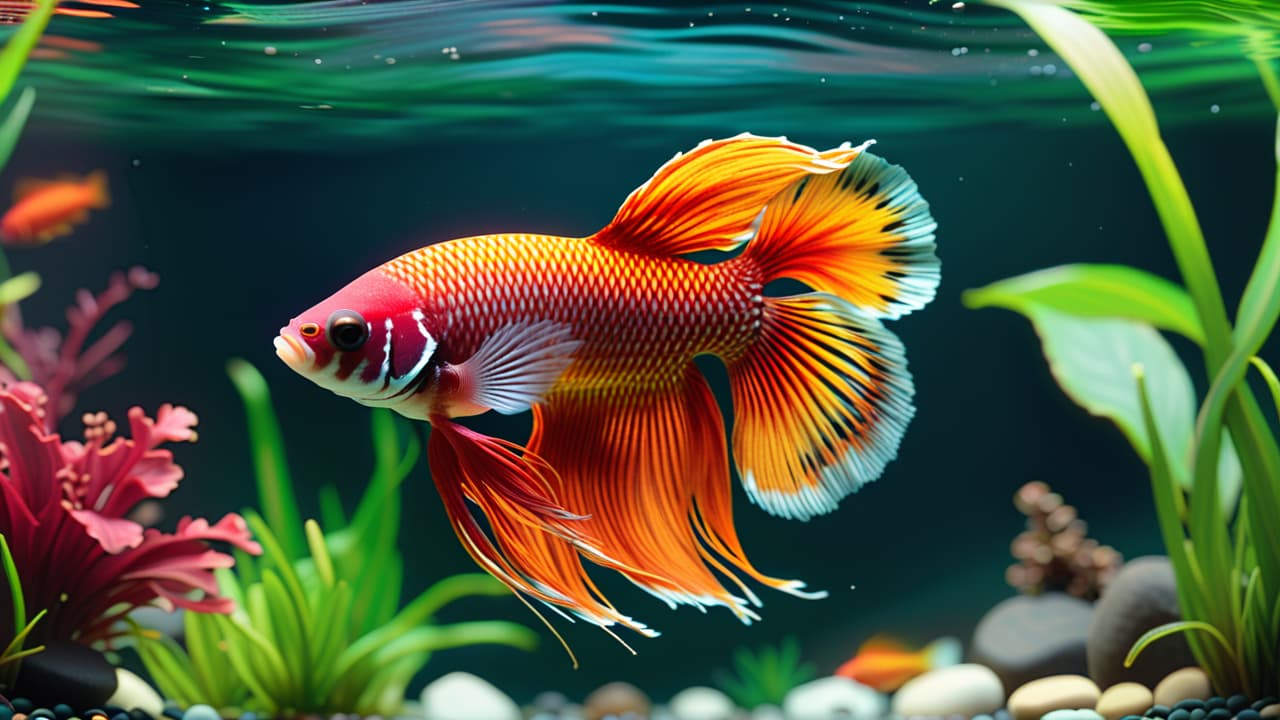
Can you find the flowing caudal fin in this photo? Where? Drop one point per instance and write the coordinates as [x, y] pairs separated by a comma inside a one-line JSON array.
[[709, 197], [538, 541], [648, 470], [821, 401], [863, 234]]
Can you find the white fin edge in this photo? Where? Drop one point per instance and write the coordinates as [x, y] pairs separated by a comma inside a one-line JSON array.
[[516, 365]]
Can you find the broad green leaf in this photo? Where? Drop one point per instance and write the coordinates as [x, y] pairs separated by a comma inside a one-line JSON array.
[[1115, 291]]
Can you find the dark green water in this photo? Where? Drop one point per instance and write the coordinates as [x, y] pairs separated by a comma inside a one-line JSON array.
[[251, 207]]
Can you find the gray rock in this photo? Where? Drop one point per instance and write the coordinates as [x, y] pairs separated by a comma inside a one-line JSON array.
[[1141, 596], [1033, 636], [66, 672], [965, 690], [834, 698], [702, 703], [463, 696]]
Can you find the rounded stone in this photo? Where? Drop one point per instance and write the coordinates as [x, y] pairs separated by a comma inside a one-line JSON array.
[[1183, 684], [463, 696], [1237, 702], [134, 694], [615, 698], [67, 673], [833, 697], [1220, 714], [1141, 596], [201, 712], [1027, 637], [1080, 714], [968, 689], [1121, 699], [1056, 692], [701, 703], [1249, 714], [1270, 711]]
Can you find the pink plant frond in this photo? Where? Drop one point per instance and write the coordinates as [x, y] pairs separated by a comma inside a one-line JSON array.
[[33, 458], [174, 424], [230, 529], [115, 535]]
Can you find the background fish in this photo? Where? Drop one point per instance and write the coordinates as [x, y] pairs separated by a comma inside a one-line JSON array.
[[627, 464], [46, 209], [886, 664]]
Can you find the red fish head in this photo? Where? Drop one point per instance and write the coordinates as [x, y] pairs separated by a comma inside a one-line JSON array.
[[369, 342]]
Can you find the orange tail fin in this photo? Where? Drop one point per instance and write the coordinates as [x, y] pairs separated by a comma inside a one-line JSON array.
[[100, 196], [823, 397], [864, 234]]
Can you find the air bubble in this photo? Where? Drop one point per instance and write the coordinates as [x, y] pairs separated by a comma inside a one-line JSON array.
[[1144, 47], [1215, 109], [269, 50]]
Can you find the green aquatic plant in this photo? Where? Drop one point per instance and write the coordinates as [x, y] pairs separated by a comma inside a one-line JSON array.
[[15, 645], [1101, 331], [764, 677], [320, 629]]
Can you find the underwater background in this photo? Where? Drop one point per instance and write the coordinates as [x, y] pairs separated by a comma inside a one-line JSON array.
[[262, 155]]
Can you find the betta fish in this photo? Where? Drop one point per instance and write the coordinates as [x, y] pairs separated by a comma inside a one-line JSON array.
[[885, 664], [628, 463], [46, 209]]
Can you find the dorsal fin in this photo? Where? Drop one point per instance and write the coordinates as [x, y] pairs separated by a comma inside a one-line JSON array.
[[708, 198]]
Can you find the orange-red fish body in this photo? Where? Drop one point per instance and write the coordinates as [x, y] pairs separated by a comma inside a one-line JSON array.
[[628, 462], [46, 209], [639, 319]]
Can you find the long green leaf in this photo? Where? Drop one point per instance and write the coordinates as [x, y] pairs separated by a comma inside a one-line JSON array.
[[14, 122], [1181, 626], [1098, 291], [19, 47], [15, 586], [275, 490]]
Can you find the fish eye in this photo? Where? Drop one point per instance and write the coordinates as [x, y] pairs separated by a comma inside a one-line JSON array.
[[347, 330], [309, 330]]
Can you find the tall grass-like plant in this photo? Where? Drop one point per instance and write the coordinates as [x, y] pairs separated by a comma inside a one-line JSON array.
[[14, 649], [320, 629], [1101, 330]]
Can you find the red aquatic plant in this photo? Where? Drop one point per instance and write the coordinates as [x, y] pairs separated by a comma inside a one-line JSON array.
[[66, 365], [63, 507]]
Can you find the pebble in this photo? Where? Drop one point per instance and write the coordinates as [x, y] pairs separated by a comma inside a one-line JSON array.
[[1237, 702], [1081, 714], [1264, 702], [1189, 682], [1056, 692], [968, 689], [1270, 711], [1121, 699], [768, 712], [42, 714], [702, 703], [615, 698], [1220, 713], [463, 696], [833, 697], [22, 705], [63, 711], [1249, 714], [1027, 637], [133, 693], [201, 712]]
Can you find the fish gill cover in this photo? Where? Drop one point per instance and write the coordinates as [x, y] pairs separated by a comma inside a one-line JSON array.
[[333, 75]]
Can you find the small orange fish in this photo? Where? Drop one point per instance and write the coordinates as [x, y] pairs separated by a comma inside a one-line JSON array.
[[45, 209], [884, 664]]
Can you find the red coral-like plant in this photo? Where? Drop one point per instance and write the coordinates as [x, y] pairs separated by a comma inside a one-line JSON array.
[[63, 506]]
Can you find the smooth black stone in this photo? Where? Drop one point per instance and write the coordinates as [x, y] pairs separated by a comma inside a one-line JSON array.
[[1159, 711], [42, 714], [113, 710], [1215, 702], [121, 716], [1268, 700], [1237, 702], [1199, 713], [21, 704], [5, 712], [1131, 717], [63, 711], [1189, 704], [140, 714], [66, 672], [1179, 714], [1219, 713], [1248, 714]]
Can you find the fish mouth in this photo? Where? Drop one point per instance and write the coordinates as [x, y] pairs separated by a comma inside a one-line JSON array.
[[293, 353]]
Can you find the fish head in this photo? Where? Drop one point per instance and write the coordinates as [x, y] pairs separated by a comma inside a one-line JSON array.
[[369, 341]]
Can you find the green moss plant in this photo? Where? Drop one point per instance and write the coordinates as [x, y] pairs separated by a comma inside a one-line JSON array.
[[320, 629], [764, 677], [1214, 462]]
